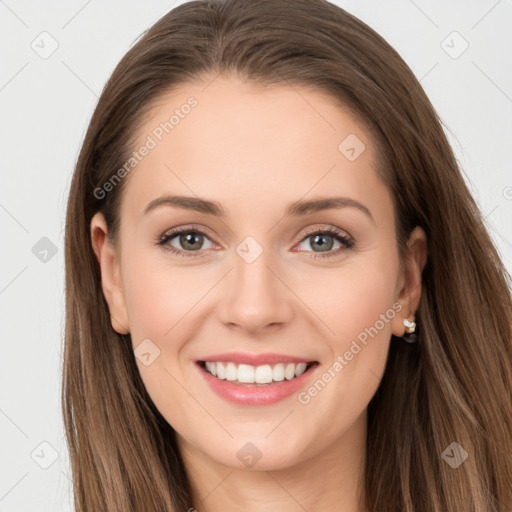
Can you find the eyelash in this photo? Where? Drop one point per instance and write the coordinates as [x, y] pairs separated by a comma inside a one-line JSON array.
[[337, 234]]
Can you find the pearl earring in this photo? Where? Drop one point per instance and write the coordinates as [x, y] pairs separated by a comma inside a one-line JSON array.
[[410, 335], [410, 327]]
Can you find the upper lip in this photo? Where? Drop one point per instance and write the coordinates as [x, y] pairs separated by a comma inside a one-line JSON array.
[[255, 359]]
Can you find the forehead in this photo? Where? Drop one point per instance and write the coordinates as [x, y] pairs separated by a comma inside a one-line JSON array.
[[238, 142]]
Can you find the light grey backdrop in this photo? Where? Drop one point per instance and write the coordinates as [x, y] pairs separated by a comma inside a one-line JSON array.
[[55, 59]]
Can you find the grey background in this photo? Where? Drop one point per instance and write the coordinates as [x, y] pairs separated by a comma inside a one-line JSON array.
[[45, 106]]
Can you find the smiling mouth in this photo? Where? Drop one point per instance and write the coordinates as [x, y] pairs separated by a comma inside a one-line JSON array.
[[249, 375]]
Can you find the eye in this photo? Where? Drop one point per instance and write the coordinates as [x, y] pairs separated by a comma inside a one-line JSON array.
[[324, 239], [190, 239]]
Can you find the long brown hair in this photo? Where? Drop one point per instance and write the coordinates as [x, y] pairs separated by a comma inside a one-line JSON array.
[[455, 385]]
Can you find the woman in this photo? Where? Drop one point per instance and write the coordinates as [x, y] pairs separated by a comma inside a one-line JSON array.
[[280, 294]]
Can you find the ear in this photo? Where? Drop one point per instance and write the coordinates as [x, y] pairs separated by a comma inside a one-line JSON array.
[[111, 282], [410, 292]]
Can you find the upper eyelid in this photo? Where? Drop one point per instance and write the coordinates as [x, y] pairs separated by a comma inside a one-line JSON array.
[[172, 233]]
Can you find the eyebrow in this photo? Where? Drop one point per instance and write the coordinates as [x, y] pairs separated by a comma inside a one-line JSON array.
[[298, 208]]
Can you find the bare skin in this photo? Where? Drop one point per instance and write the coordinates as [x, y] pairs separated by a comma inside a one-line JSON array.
[[256, 150]]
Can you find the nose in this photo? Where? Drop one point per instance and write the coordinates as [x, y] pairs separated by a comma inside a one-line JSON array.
[[255, 298]]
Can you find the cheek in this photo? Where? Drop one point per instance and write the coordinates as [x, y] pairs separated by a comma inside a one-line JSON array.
[[159, 296], [368, 295], [153, 304], [166, 305], [160, 302], [357, 308], [351, 299]]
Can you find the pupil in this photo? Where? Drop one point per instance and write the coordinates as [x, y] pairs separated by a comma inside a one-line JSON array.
[[323, 246], [188, 239]]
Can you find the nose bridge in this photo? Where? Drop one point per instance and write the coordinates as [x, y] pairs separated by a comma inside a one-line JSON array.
[[254, 296]]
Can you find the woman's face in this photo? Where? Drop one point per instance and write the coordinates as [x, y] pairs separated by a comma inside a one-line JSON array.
[[262, 279]]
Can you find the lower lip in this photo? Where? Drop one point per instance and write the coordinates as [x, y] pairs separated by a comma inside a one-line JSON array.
[[256, 394]]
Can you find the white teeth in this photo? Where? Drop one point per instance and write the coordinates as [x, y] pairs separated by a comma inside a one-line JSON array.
[[231, 371], [264, 374], [301, 368], [278, 372], [245, 373], [221, 370], [211, 367], [289, 371]]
